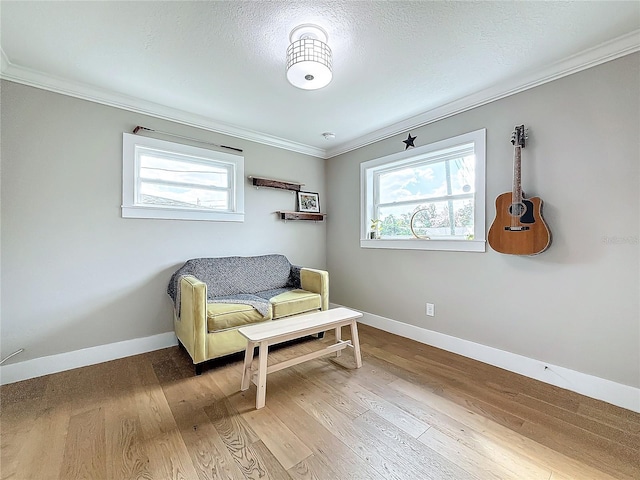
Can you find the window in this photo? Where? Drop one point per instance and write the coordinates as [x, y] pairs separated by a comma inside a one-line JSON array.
[[428, 198], [163, 179]]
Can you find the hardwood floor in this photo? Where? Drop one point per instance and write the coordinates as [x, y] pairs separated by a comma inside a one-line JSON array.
[[411, 412]]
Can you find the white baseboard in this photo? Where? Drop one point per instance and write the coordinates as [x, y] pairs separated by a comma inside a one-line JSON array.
[[618, 394], [38, 367]]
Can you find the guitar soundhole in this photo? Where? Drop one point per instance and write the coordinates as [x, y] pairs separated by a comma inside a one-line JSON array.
[[517, 209]]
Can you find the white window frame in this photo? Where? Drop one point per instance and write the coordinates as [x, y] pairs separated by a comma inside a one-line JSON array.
[[369, 168], [131, 208]]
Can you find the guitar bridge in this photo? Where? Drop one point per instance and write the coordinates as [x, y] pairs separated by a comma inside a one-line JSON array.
[[516, 229]]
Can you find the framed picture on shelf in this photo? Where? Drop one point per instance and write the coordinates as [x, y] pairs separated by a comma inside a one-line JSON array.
[[308, 202]]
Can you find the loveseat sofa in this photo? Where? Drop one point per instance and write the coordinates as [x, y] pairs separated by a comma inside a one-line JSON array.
[[213, 297]]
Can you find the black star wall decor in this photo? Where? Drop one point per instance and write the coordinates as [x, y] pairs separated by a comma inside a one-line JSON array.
[[409, 141]]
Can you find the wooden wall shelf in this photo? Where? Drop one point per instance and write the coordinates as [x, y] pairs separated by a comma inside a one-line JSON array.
[[271, 183], [316, 217], [292, 187]]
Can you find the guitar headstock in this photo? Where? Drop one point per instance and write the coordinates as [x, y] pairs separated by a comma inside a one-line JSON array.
[[519, 135]]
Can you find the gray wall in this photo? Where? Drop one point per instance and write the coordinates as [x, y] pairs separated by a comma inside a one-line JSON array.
[[576, 305], [74, 273]]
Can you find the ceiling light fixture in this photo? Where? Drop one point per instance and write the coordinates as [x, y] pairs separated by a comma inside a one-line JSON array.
[[309, 63]]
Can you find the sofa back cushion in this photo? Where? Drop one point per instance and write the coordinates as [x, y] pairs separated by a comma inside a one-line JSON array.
[[232, 275], [249, 274]]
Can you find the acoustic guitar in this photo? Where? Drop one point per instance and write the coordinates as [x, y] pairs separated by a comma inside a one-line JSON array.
[[518, 228]]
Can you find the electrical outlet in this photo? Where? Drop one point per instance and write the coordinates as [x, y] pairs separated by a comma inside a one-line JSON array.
[[431, 309]]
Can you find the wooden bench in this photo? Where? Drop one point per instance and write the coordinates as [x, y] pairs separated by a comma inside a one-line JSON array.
[[278, 331]]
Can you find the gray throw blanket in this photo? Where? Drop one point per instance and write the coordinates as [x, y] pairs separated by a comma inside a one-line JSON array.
[[246, 280]]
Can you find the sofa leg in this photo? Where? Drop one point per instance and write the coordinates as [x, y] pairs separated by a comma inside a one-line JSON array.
[[198, 368]]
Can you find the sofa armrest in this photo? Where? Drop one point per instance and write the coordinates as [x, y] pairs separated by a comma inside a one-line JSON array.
[[191, 329], [316, 281]]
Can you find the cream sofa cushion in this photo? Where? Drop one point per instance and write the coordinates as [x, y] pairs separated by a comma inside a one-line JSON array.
[[293, 302], [221, 316]]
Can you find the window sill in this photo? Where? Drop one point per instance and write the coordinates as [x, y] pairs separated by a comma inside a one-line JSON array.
[[139, 211], [419, 244]]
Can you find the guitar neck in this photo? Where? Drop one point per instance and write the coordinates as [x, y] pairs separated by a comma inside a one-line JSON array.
[[517, 168]]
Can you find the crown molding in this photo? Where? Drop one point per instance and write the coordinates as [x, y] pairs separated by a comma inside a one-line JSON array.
[[605, 52], [33, 78]]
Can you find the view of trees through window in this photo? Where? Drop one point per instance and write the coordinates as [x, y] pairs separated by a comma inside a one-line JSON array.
[[431, 220], [439, 193]]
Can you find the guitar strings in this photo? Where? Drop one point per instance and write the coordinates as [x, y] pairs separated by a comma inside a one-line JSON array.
[[514, 187]]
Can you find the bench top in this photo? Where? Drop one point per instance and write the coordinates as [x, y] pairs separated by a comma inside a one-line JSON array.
[[303, 324]]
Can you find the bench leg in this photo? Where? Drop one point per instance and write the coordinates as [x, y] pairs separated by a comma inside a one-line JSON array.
[[246, 369], [338, 338], [356, 343], [262, 375]]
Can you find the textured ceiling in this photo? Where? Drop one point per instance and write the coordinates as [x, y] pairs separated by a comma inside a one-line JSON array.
[[221, 64]]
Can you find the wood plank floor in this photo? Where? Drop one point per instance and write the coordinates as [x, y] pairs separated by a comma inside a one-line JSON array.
[[411, 412]]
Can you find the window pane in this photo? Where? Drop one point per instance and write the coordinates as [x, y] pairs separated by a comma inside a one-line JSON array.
[[463, 178], [184, 197], [395, 221], [418, 182], [175, 170], [451, 218], [413, 182]]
